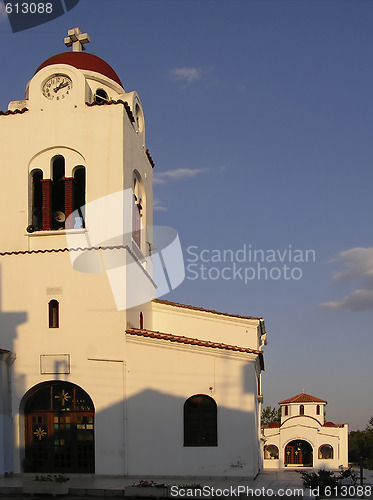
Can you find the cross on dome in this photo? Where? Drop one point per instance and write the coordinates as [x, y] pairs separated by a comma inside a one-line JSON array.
[[76, 39]]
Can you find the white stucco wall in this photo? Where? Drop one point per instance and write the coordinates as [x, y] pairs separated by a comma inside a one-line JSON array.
[[243, 332], [161, 376]]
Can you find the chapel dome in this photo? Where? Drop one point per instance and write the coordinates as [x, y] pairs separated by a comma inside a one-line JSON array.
[[84, 61]]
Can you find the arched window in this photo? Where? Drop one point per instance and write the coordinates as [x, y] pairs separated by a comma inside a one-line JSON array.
[[137, 209], [101, 96], [58, 193], [141, 320], [36, 200], [270, 451], [54, 320], [326, 452], [200, 421], [301, 410], [79, 195]]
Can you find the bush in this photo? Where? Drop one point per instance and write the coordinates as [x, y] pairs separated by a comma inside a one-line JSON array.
[[326, 478], [319, 479]]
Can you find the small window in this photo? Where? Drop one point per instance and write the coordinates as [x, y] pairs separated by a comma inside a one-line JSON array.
[[270, 452], [286, 411], [54, 314], [101, 96], [200, 421], [301, 410], [318, 410], [141, 320], [326, 452]]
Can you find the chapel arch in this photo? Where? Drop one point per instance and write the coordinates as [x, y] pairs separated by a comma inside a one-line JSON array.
[[299, 452]]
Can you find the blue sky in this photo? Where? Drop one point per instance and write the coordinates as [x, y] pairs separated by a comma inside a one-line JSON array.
[[259, 119]]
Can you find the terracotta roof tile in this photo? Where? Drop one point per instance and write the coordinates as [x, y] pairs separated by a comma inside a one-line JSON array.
[[150, 158], [194, 308], [302, 398], [193, 341], [80, 249], [332, 424], [109, 103], [273, 425], [13, 112]]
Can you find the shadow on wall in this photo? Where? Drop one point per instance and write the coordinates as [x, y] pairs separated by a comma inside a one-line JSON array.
[[9, 322], [142, 437]]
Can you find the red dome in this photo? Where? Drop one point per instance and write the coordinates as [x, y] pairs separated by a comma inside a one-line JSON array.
[[83, 60]]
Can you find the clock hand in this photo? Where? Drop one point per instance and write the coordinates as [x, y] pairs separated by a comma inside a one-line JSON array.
[[61, 86]]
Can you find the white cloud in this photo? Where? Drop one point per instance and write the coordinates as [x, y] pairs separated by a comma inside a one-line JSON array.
[[177, 174], [358, 263], [157, 205], [186, 75]]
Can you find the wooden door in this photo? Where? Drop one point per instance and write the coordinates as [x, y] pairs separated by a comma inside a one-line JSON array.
[[293, 455], [60, 436]]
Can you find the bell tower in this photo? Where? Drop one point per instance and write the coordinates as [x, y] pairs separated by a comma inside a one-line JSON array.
[[77, 136], [77, 181]]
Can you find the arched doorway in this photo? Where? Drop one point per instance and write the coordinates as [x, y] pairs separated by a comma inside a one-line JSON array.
[[299, 452], [59, 429]]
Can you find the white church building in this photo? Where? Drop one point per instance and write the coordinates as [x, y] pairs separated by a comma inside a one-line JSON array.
[[304, 438], [96, 382]]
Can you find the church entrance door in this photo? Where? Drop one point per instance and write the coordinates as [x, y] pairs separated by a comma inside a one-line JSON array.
[[59, 429], [293, 455], [299, 452]]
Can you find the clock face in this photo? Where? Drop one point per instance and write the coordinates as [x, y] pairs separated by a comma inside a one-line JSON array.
[[57, 87]]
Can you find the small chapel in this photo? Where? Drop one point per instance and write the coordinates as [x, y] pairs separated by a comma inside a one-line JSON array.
[[91, 381], [304, 438]]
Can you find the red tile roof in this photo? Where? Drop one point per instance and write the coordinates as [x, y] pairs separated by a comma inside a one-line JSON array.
[[273, 425], [332, 424], [13, 112], [150, 158], [109, 103], [193, 341], [302, 398], [185, 306]]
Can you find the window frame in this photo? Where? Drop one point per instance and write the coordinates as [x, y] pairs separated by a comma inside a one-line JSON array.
[[54, 313], [200, 421]]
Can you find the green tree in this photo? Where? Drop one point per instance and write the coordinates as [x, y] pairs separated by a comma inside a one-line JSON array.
[[360, 445], [271, 415]]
